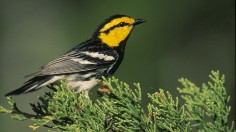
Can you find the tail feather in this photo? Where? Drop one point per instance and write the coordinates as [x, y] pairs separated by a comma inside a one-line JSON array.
[[32, 85]]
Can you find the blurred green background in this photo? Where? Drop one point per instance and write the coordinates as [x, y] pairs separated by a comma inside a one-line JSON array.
[[181, 39]]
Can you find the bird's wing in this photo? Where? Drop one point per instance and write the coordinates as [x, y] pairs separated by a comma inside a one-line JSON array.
[[77, 61]]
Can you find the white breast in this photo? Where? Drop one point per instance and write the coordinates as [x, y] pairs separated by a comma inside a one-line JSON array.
[[79, 83]]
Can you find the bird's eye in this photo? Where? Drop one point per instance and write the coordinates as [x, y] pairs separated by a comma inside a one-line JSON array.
[[122, 24]]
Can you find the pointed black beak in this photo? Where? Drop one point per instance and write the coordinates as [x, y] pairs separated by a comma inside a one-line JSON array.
[[139, 21]]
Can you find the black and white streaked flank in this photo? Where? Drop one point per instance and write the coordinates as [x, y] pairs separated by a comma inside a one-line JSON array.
[[83, 66]]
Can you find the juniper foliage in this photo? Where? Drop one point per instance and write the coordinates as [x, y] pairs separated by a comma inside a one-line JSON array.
[[119, 109]]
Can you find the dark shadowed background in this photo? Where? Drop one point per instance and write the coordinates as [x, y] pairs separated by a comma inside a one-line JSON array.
[[181, 39]]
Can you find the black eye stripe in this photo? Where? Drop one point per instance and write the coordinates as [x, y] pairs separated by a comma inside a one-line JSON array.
[[122, 24]]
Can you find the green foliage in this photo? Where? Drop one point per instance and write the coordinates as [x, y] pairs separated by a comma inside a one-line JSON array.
[[119, 109], [165, 114], [207, 106]]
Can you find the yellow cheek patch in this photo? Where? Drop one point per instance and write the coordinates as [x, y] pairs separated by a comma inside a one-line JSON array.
[[115, 36], [117, 21]]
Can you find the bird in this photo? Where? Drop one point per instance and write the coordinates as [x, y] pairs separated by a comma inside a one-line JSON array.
[[83, 67]]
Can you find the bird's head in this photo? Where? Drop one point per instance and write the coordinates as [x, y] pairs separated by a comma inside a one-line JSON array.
[[115, 29]]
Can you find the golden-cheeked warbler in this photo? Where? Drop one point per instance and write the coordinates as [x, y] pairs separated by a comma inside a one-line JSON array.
[[83, 66]]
